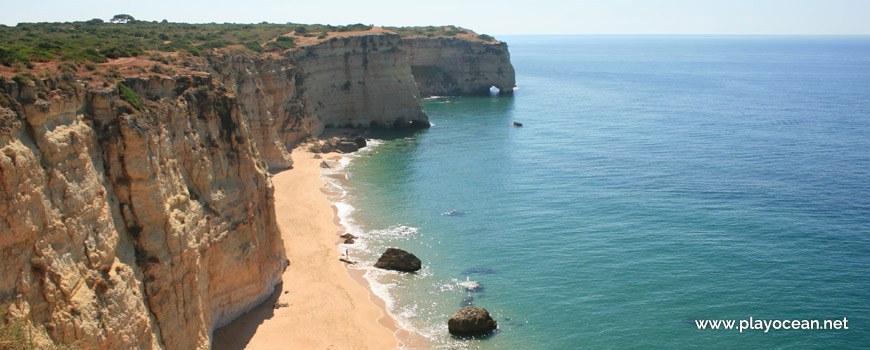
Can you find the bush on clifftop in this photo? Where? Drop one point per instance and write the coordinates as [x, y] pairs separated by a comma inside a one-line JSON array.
[[127, 94], [485, 37]]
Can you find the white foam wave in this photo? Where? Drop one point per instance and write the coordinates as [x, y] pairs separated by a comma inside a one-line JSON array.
[[366, 246]]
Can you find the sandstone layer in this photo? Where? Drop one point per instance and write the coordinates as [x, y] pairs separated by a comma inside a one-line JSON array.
[[150, 228]]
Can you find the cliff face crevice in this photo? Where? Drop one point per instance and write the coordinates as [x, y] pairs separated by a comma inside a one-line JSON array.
[[125, 228], [449, 66]]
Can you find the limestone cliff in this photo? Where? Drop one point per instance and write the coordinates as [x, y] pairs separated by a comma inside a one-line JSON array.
[[359, 82], [127, 227], [268, 91], [452, 66]]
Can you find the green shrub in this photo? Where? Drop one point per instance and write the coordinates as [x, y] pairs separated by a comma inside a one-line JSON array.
[[121, 51], [216, 44], [485, 37], [159, 58], [156, 68], [14, 334], [193, 50], [23, 78], [253, 46], [68, 67], [88, 54], [8, 56], [127, 94], [359, 27], [284, 45]]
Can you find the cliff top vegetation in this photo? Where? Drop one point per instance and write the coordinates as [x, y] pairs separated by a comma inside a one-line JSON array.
[[440, 31], [40, 47]]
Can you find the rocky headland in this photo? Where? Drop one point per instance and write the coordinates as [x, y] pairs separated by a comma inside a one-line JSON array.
[[139, 212]]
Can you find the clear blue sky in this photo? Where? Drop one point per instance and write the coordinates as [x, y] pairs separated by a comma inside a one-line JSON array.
[[493, 17]]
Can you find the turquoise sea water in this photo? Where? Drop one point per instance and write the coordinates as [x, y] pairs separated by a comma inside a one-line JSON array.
[[657, 180]]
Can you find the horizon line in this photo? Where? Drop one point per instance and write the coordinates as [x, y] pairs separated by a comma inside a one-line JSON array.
[[687, 34]]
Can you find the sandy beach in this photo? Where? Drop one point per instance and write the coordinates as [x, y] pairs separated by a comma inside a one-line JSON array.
[[320, 306]]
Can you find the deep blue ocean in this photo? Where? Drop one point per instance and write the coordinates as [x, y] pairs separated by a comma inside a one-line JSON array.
[[658, 180]]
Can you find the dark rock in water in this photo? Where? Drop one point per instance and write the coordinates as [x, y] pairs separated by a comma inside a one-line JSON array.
[[518, 124], [466, 302], [471, 320], [324, 165], [479, 271], [347, 146], [348, 238], [399, 260], [360, 141], [453, 213]]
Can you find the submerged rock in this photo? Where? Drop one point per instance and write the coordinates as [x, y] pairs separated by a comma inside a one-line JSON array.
[[453, 213], [468, 301], [518, 124], [398, 260], [471, 320]]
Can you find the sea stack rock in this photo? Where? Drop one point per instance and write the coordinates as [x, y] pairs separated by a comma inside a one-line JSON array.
[[471, 320], [518, 124], [398, 260]]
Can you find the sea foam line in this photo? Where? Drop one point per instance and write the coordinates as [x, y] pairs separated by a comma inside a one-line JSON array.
[[366, 242]]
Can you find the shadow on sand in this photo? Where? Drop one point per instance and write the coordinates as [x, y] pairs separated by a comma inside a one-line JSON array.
[[237, 334]]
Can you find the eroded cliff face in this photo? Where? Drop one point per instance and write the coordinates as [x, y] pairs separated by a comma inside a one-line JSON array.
[[360, 82], [450, 66], [269, 96], [125, 228]]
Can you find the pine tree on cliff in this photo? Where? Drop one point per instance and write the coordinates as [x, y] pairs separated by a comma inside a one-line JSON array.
[[123, 18]]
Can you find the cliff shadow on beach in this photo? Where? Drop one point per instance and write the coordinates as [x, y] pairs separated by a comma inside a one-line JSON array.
[[237, 334]]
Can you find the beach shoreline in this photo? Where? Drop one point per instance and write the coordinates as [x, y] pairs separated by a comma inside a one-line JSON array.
[[334, 176], [321, 303]]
